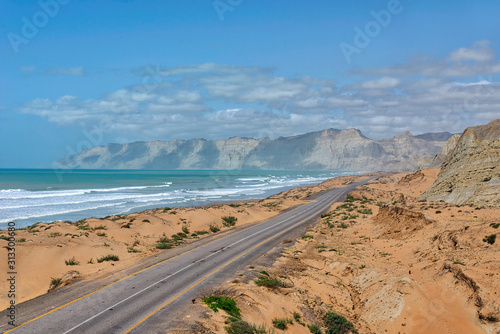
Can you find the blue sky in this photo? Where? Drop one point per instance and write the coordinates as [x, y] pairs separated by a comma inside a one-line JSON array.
[[78, 73]]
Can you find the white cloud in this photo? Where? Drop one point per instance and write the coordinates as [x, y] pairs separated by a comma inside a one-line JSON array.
[[463, 62], [220, 101], [382, 83], [79, 71], [480, 51]]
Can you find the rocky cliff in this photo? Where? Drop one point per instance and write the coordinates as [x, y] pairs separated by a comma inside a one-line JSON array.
[[323, 150], [470, 173]]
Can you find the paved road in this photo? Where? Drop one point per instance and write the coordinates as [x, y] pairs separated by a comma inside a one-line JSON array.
[[138, 303]]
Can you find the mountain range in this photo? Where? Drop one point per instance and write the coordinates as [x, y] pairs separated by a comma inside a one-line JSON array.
[[330, 149]]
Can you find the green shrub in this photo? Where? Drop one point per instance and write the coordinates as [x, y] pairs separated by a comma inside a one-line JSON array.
[[225, 303], [163, 246], [21, 240], [490, 239], [214, 228], [336, 324], [238, 326], [133, 250], [146, 221], [109, 257], [270, 282], [101, 227], [4, 237], [229, 221], [55, 282], [202, 232], [314, 329], [83, 227], [127, 225], [185, 229], [365, 211], [495, 225], [306, 237], [101, 234], [281, 323], [71, 262]]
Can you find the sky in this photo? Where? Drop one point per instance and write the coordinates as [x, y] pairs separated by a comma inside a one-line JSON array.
[[80, 73]]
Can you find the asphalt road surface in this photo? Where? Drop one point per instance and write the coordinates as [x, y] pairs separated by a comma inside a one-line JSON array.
[[146, 301]]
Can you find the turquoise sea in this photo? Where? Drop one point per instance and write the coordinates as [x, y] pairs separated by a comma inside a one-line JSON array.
[[28, 196]]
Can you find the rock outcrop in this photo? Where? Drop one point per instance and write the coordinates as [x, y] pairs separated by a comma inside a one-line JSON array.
[[323, 150], [470, 173], [438, 160]]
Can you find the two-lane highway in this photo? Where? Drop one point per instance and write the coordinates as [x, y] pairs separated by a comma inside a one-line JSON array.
[[132, 305]]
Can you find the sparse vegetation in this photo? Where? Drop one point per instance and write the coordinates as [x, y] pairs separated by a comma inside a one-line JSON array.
[[164, 243], [84, 227], [229, 221], [127, 225], [54, 234], [214, 228], [55, 282], [314, 329], [490, 239], [269, 281], [225, 303], [71, 262], [101, 227], [336, 323], [238, 326], [109, 257], [101, 234], [185, 229], [495, 225], [306, 237], [281, 323]]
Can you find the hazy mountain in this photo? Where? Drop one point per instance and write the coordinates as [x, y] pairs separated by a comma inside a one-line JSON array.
[[438, 136], [323, 150]]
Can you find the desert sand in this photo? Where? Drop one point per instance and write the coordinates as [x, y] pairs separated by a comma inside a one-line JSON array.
[[386, 262], [62, 252]]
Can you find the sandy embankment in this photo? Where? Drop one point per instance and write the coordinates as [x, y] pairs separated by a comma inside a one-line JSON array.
[[386, 262], [42, 250]]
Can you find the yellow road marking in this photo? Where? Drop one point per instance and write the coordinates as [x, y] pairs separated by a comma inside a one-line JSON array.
[[220, 268]]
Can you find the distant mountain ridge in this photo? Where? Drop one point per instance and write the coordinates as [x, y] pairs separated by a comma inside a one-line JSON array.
[[329, 149]]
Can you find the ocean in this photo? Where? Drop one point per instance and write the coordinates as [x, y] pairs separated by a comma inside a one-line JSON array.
[[28, 196]]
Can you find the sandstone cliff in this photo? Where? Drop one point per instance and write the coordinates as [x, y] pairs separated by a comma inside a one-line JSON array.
[[470, 173], [323, 150], [438, 160]]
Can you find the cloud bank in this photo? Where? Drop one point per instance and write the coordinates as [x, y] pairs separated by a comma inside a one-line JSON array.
[[219, 100]]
